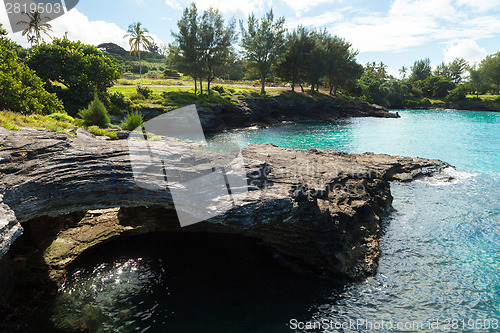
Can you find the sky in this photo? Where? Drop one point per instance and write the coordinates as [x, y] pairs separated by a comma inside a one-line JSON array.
[[395, 32]]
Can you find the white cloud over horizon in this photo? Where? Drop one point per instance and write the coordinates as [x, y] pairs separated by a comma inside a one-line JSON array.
[[467, 49], [79, 27], [411, 23], [225, 6]]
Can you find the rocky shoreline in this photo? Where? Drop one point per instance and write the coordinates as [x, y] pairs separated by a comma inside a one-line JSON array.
[[324, 209], [264, 112]]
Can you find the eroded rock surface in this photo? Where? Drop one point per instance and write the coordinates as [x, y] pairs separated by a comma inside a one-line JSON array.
[[321, 210]]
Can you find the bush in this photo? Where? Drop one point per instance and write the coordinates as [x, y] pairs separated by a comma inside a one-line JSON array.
[[171, 73], [218, 88], [458, 94], [62, 117], [118, 103], [21, 90], [95, 114], [132, 121], [102, 132], [410, 103], [74, 71], [144, 91]]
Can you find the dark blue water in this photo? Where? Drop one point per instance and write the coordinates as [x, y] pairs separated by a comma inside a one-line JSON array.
[[439, 269]]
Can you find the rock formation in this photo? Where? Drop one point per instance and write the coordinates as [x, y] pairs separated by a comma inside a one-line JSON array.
[[270, 111], [321, 210]]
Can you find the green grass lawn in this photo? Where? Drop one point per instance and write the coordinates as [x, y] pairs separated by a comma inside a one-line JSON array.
[[486, 97]]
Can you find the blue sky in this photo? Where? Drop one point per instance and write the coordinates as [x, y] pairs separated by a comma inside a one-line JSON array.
[[396, 32]]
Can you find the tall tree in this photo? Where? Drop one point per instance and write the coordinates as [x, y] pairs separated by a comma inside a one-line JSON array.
[[185, 54], [403, 71], [317, 60], [216, 43], [478, 82], [421, 70], [138, 38], [294, 64], [263, 43], [341, 67], [35, 26], [491, 69], [453, 71]]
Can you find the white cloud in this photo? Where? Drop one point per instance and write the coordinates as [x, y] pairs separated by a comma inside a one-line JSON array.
[[480, 5], [301, 6], [318, 21], [442, 9], [467, 49], [225, 6], [410, 23], [173, 4], [369, 34], [79, 27]]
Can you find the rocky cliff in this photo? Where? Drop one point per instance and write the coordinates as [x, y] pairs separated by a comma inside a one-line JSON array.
[[321, 210]]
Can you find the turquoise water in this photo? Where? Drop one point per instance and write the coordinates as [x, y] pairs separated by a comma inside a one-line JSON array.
[[440, 264]]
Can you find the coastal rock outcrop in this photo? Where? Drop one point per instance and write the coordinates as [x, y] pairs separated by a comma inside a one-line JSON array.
[[320, 210], [269, 111]]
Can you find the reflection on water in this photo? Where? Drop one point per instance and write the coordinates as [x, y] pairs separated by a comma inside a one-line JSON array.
[[186, 283]]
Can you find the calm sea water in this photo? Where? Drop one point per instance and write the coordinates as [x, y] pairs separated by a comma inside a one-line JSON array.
[[439, 269]]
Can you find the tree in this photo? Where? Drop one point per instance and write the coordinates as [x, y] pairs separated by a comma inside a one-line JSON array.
[[138, 39], [478, 82], [216, 43], [491, 69], [457, 68], [185, 54], [35, 27], [382, 71], [341, 67], [454, 71], [403, 71], [316, 65], [421, 70], [20, 89], [263, 43], [294, 64], [74, 71]]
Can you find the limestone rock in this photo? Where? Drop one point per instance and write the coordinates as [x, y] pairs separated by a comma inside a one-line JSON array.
[[320, 209]]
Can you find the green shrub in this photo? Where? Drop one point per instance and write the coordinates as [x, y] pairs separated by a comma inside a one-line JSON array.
[[426, 102], [144, 91], [132, 121], [118, 103], [95, 114], [21, 90], [218, 88], [102, 132], [410, 103], [74, 71], [458, 94], [171, 73], [62, 117]]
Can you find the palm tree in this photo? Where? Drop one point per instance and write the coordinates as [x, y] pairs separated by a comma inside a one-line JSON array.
[[35, 26], [138, 38], [403, 71], [32, 39]]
